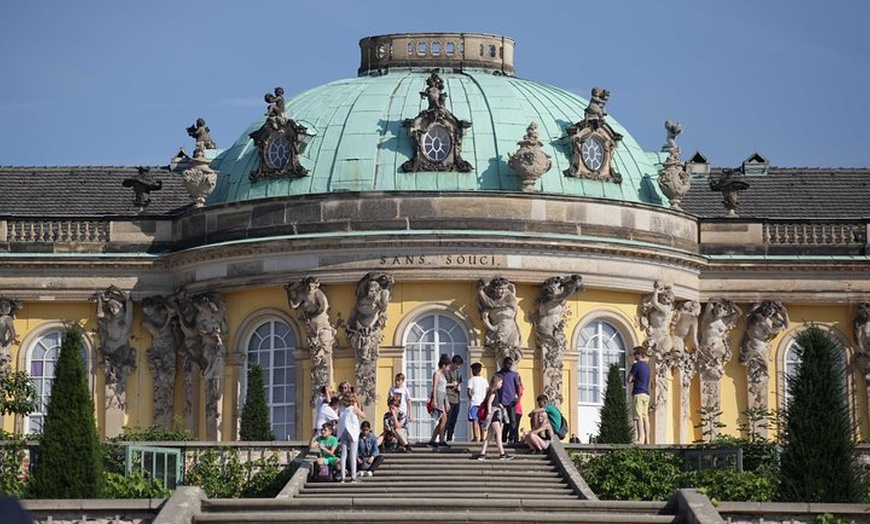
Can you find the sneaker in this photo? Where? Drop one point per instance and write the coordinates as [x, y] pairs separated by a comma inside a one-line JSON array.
[[359, 474], [432, 444], [481, 457], [443, 445], [408, 449], [505, 457], [369, 473], [355, 481]]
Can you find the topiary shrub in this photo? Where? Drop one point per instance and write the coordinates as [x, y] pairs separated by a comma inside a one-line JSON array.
[[69, 463], [632, 474], [818, 457], [255, 425], [614, 426]]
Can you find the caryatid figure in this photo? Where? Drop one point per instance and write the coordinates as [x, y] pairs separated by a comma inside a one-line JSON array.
[[365, 329], [497, 302], [550, 330], [114, 325], [766, 320], [162, 323], [8, 336], [306, 296]]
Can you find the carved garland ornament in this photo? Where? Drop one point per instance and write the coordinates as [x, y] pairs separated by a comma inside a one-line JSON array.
[[593, 142], [278, 141], [436, 133]]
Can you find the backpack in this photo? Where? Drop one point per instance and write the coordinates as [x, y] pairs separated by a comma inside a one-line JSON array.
[[563, 429], [322, 473]]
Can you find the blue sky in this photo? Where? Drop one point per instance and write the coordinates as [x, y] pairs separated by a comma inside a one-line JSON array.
[[116, 82]]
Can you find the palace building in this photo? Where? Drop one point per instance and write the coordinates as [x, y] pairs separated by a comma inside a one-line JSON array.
[[435, 203]]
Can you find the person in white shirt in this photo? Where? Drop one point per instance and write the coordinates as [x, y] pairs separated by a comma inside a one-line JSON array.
[[476, 393], [328, 413], [400, 391]]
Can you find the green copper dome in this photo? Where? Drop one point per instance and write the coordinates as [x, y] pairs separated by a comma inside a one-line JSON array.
[[356, 141]]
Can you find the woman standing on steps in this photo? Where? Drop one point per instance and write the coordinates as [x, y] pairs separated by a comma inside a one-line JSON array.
[[348, 434], [438, 399], [495, 417]]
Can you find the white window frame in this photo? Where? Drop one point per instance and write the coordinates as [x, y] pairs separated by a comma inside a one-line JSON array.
[[28, 345], [288, 429], [787, 360], [603, 367], [419, 387]]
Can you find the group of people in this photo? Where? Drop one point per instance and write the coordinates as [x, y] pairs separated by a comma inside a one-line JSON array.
[[344, 439], [499, 398]]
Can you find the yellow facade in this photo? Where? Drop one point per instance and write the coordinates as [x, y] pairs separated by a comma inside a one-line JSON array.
[[247, 306]]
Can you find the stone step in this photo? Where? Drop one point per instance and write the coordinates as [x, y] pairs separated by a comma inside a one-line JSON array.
[[479, 473], [459, 458], [468, 464], [424, 492], [390, 515], [379, 481], [430, 504]]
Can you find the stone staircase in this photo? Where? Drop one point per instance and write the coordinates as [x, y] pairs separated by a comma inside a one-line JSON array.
[[442, 486]]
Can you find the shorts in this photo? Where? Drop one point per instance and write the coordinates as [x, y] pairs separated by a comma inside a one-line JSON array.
[[472, 413], [437, 413], [497, 416], [640, 406], [329, 461]]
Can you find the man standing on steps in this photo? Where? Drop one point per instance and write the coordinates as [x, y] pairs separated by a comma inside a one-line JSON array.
[[638, 377], [454, 385], [508, 396]]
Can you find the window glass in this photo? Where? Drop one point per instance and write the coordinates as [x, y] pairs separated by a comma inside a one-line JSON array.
[[41, 363], [791, 361], [426, 339], [271, 346], [599, 345]]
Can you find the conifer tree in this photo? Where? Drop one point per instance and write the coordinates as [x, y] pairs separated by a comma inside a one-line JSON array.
[[255, 424], [818, 461], [70, 462], [614, 426]]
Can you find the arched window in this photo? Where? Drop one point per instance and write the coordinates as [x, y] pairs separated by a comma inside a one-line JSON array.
[[426, 338], [791, 361], [42, 356], [271, 345], [599, 345]]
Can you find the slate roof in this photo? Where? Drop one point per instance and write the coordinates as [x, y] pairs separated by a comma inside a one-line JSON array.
[[798, 193], [89, 191], [93, 191]]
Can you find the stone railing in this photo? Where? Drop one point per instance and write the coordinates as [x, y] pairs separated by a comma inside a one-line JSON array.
[[57, 231], [815, 233]]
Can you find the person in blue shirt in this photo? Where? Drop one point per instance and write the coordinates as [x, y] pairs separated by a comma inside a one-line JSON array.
[[638, 377], [508, 396], [368, 457]]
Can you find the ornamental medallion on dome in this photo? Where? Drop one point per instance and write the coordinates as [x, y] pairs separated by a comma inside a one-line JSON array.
[[278, 141], [437, 134], [593, 142]]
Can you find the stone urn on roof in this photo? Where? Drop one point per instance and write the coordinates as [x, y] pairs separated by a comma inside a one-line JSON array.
[[673, 178], [729, 183], [530, 162]]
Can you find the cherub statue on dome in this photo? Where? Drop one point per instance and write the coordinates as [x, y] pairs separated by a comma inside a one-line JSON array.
[[200, 132], [595, 110], [434, 92], [275, 116]]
